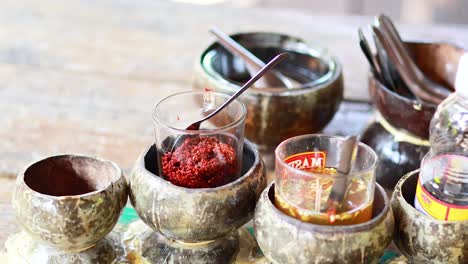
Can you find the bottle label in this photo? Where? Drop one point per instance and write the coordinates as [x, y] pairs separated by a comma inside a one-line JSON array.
[[436, 208], [306, 160]]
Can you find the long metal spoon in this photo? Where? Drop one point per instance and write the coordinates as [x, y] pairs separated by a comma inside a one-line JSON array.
[[386, 24], [340, 186], [406, 75], [270, 79], [279, 58], [374, 64], [384, 66]]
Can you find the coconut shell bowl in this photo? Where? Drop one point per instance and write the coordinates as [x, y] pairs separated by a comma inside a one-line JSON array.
[[68, 204], [198, 225], [284, 239], [276, 113], [423, 239], [400, 133]]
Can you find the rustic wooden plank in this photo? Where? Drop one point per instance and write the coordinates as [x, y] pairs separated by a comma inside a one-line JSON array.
[[82, 76]]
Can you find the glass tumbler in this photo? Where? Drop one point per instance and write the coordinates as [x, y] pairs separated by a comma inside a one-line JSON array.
[[204, 158], [305, 175]]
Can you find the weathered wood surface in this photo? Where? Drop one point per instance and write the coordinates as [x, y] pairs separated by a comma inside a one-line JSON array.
[[82, 76]]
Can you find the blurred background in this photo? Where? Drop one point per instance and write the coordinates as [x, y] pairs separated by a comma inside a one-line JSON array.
[[411, 11]]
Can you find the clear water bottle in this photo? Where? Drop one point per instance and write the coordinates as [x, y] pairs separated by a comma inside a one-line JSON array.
[[442, 191], [449, 126]]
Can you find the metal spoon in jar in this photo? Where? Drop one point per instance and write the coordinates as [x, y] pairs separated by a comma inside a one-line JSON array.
[[347, 153]]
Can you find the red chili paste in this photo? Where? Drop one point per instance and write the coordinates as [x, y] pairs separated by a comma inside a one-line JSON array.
[[200, 162]]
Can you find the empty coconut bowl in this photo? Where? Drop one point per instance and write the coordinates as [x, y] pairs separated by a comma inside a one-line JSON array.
[[69, 201], [284, 239], [400, 135], [195, 215], [421, 238], [275, 114]]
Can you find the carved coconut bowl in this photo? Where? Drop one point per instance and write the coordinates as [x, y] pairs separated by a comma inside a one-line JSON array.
[[69, 201], [284, 239], [195, 215], [423, 239]]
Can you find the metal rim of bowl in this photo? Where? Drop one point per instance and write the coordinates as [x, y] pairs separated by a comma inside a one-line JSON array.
[[333, 74]]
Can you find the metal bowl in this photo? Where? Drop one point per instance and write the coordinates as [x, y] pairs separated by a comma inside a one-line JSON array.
[[284, 239], [195, 215], [69, 201], [275, 114], [423, 239]]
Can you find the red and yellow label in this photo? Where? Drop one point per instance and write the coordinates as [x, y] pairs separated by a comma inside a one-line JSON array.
[[439, 209], [306, 160]]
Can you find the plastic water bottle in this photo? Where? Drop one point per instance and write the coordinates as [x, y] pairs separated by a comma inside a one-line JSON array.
[[442, 190]]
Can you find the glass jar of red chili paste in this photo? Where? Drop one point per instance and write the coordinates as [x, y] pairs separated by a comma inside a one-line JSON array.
[[204, 158]]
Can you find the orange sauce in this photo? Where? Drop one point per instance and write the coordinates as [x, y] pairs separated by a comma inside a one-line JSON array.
[[356, 207]]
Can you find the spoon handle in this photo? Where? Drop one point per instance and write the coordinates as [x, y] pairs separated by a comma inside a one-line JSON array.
[[389, 28], [279, 58], [406, 74]]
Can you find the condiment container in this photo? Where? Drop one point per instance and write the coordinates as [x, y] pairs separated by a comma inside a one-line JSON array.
[[69, 202], [306, 175], [442, 191], [195, 220], [275, 114], [285, 239], [204, 158], [421, 238], [400, 134]]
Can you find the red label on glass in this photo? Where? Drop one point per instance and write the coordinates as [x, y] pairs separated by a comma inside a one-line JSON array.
[[306, 160]]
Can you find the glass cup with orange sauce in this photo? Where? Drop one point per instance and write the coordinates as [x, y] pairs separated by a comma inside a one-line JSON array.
[[306, 171]]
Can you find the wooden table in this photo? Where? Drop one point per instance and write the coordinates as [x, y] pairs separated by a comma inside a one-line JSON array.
[[82, 76]]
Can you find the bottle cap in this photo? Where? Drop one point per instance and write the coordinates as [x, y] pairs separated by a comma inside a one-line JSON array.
[[461, 81]]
